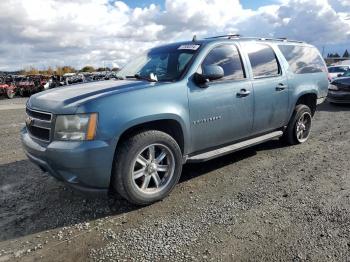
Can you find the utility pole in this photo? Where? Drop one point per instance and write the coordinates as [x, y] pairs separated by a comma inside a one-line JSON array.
[[323, 47]]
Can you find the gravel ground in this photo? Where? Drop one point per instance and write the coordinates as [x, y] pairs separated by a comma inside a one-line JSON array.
[[270, 202]]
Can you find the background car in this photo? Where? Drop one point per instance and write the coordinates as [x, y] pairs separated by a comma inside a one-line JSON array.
[[336, 71], [346, 74], [7, 88], [339, 90]]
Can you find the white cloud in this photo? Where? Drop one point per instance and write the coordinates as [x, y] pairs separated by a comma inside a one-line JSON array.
[[57, 32]]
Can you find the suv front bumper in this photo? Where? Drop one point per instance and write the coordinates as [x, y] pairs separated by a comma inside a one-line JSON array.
[[84, 165]]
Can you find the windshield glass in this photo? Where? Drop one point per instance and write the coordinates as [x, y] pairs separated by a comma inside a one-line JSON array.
[[347, 73], [165, 63], [338, 69]]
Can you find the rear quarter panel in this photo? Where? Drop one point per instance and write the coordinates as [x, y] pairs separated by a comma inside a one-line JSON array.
[[301, 84]]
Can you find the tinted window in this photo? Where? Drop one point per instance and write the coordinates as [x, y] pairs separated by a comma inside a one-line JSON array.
[[347, 73], [263, 60], [226, 56], [303, 59], [337, 69], [183, 60]]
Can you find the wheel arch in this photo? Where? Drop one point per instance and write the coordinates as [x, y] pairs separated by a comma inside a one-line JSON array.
[[309, 99], [169, 124]]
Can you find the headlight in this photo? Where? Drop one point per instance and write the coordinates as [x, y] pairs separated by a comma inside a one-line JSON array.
[[76, 127], [333, 87]]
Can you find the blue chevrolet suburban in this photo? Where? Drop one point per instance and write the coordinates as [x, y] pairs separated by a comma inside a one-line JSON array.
[[184, 102]]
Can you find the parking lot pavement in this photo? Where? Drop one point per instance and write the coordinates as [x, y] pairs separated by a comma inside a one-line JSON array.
[[270, 202], [14, 106], [15, 103]]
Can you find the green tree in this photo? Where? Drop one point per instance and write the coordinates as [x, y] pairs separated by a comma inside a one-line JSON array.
[[64, 70], [102, 69], [32, 71], [88, 69], [346, 53]]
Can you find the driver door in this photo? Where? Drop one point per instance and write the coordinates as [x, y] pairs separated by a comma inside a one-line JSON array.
[[221, 112]]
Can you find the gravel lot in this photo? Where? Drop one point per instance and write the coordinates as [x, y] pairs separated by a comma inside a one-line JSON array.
[[270, 202]]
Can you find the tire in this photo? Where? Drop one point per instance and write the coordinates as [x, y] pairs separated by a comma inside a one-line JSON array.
[[22, 92], [10, 93], [292, 133], [143, 177]]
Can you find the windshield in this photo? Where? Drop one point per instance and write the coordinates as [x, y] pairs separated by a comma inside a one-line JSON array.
[[347, 73], [165, 63], [338, 69]]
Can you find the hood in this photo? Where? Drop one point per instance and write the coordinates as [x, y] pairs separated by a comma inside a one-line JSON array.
[[66, 99], [343, 83]]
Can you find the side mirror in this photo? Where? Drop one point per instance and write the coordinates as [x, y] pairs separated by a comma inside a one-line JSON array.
[[339, 75], [210, 72]]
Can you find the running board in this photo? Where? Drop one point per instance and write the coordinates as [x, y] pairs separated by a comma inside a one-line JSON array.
[[232, 148]]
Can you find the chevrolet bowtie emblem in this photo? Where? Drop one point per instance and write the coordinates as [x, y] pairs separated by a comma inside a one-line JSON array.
[[29, 121]]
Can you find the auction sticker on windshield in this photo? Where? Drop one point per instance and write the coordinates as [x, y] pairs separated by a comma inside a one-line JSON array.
[[189, 47]]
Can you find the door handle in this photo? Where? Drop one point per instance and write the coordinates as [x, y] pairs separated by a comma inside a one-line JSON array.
[[243, 93], [281, 87]]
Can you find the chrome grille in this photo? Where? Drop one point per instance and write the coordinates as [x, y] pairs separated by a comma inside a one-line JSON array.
[[39, 124]]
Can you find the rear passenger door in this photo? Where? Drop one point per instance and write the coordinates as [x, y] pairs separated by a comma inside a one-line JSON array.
[[270, 88]]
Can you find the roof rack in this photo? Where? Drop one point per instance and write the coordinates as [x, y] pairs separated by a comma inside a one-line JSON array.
[[285, 39], [225, 36], [281, 39], [230, 36]]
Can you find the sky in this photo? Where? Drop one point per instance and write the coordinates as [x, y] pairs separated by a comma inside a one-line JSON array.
[[252, 4], [44, 33]]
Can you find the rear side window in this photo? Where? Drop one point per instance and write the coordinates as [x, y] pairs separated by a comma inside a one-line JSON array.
[[263, 60], [228, 57], [303, 59]]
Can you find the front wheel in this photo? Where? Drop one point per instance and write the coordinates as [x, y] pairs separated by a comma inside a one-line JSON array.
[[147, 167], [299, 126], [10, 93]]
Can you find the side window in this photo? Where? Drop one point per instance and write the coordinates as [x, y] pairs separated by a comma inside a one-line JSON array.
[[263, 60], [228, 57], [303, 59]]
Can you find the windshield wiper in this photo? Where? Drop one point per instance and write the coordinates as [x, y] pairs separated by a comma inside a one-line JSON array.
[[149, 79]]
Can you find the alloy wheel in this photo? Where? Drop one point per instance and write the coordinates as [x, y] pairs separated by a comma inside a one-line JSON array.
[[303, 127], [153, 168]]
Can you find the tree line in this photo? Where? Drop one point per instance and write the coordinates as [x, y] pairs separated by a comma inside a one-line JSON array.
[[336, 55], [61, 70]]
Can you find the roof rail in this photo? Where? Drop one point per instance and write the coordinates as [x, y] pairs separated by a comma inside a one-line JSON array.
[[229, 36], [282, 39], [285, 39]]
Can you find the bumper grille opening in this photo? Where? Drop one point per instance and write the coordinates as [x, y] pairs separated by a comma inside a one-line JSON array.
[[41, 133]]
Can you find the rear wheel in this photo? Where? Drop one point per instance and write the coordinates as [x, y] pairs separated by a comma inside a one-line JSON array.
[[299, 126], [147, 167]]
